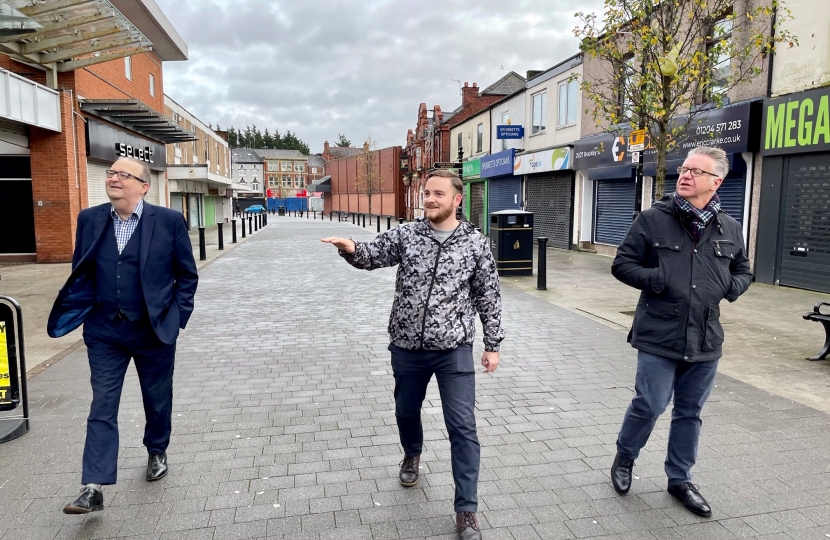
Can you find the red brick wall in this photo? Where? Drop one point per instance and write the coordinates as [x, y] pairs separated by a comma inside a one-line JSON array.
[[58, 184], [344, 196], [108, 81]]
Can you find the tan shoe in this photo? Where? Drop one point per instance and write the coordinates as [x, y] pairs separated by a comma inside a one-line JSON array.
[[410, 471]]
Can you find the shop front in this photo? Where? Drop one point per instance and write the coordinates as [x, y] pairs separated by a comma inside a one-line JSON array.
[[609, 195], [475, 194], [504, 189], [794, 214], [549, 193]]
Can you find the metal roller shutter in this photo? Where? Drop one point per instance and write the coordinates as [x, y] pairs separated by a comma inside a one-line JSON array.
[[731, 192], [614, 211], [96, 177], [504, 194], [805, 239], [152, 195], [550, 198], [210, 211], [478, 198]]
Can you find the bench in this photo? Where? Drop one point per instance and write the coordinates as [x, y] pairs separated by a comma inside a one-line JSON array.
[[824, 318]]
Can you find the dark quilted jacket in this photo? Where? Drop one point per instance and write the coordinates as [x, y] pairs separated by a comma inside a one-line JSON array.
[[439, 288]]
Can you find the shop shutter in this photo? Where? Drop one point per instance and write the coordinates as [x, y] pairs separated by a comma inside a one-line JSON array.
[[210, 211], [96, 177], [805, 239], [504, 194], [550, 198], [478, 209], [614, 211], [152, 195]]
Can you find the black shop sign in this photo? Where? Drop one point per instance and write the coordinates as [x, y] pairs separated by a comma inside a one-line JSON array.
[[107, 144], [733, 128]]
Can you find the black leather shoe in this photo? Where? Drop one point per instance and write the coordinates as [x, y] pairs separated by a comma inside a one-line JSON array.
[[156, 467], [621, 473], [691, 498], [466, 524], [410, 471], [90, 500]]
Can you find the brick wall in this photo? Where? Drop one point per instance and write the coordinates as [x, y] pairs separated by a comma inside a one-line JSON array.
[[344, 196], [108, 80]]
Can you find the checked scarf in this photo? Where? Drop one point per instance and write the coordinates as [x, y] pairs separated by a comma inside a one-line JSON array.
[[698, 219]]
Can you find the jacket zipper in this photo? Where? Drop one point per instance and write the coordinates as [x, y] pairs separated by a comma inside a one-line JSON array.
[[432, 283]]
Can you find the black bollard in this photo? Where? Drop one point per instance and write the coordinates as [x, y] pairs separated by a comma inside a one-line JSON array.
[[352, 218], [250, 225], [221, 237], [330, 214], [264, 219], [315, 214], [233, 231], [542, 270], [400, 221], [364, 220], [378, 222], [243, 226], [202, 249], [256, 223], [388, 222]]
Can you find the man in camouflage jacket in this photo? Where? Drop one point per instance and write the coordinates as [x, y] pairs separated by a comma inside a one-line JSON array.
[[446, 273]]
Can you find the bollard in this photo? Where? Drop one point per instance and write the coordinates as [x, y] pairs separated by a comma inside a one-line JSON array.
[[315, 214], [364, 220], [256, 228], [330, 214], [388, 222], [352, 218], [542, 270], [307, 213], [400, 221], [243, 226], [202, 249], [250, 225], [378, 222], [233, 231], [221, 238], [264, 219]]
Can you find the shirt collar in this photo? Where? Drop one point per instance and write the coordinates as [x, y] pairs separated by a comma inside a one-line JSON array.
[[139, 209]]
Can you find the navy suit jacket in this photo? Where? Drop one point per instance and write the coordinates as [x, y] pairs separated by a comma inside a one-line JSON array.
[[168, 271]]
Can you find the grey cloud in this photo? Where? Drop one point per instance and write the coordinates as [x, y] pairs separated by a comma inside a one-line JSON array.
[[323, 67]]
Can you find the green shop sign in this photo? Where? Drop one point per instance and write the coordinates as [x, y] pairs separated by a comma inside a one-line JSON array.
[[797, 123], [471, 168]]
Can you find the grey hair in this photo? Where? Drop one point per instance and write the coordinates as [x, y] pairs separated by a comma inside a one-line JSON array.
[[145, 175], [719, 156], [457, 185]]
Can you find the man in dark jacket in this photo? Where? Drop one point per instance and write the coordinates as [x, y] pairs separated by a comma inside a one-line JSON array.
[[446, 274], [132, 286], [685, 255]]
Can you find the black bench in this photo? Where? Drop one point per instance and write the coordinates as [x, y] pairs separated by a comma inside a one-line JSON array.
[[824, 319]]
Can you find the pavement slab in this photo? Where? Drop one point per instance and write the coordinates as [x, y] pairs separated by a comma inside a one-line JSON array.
[[284, 426]]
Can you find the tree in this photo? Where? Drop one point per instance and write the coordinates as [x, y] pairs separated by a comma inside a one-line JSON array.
[[343, 142], [368, 179], [661, 64]]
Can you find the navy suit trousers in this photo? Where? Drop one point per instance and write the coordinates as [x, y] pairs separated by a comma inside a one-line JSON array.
[[110, 346], [455, 372]]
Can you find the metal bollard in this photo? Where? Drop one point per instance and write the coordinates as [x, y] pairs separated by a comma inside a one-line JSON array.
[[250, 225], [330, 214], [388, 222], [264, 219], [243, 226], [221, 237], [315, 214], [256, 223], [352, 218], [378, 222], [307, 213], [400, 221], [202, 249], [233, 231], [542, 270], [364, 220]]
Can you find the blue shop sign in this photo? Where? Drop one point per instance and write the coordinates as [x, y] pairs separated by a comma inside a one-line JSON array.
[[510, 132], [497, 164]]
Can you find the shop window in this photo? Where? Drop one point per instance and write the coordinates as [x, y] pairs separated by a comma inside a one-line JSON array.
[[152, 85], [568, 96], [540, 102]]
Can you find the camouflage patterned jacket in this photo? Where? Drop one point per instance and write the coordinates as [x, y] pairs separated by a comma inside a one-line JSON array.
[[439, 288]]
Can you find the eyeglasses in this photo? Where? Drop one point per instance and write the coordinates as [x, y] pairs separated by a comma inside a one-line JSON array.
[[123, 175], [696, 173]]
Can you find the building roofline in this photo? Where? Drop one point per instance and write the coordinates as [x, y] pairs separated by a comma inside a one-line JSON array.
[[558, 69], [148, 17]]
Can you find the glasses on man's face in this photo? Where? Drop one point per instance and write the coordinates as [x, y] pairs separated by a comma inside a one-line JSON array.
[[696, 173], [123, 175]]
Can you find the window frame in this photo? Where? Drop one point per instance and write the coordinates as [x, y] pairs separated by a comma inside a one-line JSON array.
[[709, 92], [543, 99], [128, 67], [480, 137], [505, 120], [152, 85]]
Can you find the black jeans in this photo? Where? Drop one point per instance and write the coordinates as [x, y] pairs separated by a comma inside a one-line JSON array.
[[455, 371]]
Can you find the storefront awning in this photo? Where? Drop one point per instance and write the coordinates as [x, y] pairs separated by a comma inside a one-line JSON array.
[[322, 185], [65, 35], [135, 116]]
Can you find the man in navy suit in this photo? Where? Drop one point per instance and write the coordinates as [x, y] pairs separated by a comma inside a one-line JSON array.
[[132, 285]]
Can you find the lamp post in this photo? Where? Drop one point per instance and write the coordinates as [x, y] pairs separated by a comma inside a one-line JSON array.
[[458, 210]]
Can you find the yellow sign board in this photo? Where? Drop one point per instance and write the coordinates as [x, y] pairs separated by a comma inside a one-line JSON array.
[[637, 140], [5, 375]]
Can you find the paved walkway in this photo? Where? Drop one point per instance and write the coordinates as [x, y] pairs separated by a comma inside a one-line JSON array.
[[284, 427]]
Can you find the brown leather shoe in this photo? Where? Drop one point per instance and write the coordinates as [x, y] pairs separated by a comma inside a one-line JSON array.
[[466, 524], [410, 471]]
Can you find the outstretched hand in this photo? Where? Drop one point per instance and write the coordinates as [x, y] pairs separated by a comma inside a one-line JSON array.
[[340, 243]]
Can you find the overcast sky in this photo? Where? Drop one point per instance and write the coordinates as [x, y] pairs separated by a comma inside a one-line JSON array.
[[324, 67]]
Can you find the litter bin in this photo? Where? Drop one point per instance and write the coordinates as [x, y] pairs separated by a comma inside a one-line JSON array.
[[511, 239], [281, 211]]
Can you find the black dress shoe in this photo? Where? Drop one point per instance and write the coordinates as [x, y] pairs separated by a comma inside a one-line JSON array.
[[90, 500], [156, 467], [410, 471], [621, 473], [691, 498]]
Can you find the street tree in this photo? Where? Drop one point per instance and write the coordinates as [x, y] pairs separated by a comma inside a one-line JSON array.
[[368, 179], [343, 142], [659, 65]]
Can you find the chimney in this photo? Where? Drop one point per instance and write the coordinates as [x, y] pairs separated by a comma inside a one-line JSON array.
[[326, 147], [531, 73], [468, 94]]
